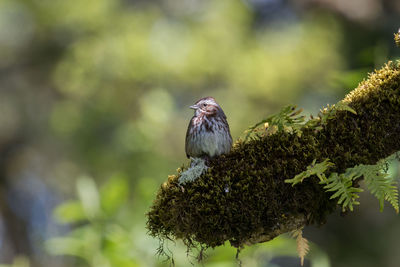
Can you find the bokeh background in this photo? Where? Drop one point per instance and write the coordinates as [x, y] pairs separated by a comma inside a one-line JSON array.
[[94, 100]]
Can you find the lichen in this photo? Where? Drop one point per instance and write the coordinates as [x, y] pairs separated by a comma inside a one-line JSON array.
[[197, 168], [243, 197]]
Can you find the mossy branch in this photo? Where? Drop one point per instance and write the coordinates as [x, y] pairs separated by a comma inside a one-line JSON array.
[[243, 197]]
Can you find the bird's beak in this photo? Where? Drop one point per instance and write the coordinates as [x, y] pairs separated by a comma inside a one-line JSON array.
[[194, 107]]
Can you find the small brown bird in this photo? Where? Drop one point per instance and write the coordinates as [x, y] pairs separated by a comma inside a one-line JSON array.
[[208, 133]]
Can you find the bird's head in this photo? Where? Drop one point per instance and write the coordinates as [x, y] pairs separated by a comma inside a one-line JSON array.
[[207, 106]]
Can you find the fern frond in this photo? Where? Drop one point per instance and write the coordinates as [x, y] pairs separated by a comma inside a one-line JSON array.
[[381, 185], [287, 119], [330, 111], [326, 113], [343, 106], [342, 185], [302, 244], [392, 196], [313, 169], [378, 182]]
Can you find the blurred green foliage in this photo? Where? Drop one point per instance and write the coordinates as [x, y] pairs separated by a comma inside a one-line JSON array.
[[108, 239], [19, 261], [105, 241], [124, 81], [99, 93]]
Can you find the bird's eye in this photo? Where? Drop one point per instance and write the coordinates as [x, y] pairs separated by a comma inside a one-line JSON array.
[[204, 105]]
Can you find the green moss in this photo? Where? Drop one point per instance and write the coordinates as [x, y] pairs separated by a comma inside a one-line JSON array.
[[397, 38], [243, 198]]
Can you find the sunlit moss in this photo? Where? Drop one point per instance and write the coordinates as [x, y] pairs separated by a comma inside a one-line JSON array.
[[243, 198], [397, 38]]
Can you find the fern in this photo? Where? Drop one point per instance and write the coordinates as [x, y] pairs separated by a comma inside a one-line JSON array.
[[328, 113], [383, 189], [302, 244], [342, 185], [288, 119], [379, 183], [314, 169], [376, 179]]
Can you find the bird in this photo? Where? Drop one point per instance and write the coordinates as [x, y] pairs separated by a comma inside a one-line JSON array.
[[208, 133]]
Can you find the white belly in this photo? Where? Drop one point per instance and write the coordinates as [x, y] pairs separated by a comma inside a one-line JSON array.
[[213, 143]]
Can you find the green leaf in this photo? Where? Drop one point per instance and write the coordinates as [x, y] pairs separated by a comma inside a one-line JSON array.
[[343, 106], [18, 261], [65, 246], [314, 169], [89, 196], [70, 212], [328, 112], [342, 185], [381, 185], [114, 193], [286, 120], [377, 180]]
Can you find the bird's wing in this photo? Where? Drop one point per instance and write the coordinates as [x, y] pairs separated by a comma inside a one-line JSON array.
[[187, 138]]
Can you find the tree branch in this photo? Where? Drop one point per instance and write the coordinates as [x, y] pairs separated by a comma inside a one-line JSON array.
[[243, 198]]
